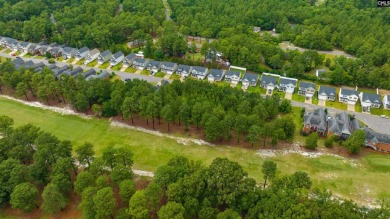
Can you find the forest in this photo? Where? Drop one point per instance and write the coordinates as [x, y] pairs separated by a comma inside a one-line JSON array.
[[37, 170], [222, 112]]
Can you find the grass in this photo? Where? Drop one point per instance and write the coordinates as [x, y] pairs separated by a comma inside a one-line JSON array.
[[223, 84], [314, 100], [28, 55], [117, 67], [60, 59], [380, 111], [160, 74], [70, 60], [105, 65], [80, 62], [39, 57], [7, 51], [145, 72], [175, 77], [130, 70], [256, 89], [358, 179], [197, 56], [336, 104], [92, 64], [298, 98], [358, 107]]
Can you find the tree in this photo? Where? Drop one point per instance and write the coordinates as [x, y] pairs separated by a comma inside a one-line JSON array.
[[356, 141], [253, 134], [126, 190], [104, 202], [171, 210], [268, 170], [329, 142], [228, 214], [6, 125], [83, 180], [154, 194], [97, 109], [24, 197], [137, 206], [168, 114], [85, 153], [21, 90], [193, 50], [87, 205], [311, 141], [129, 107], [120, 173], [53, 200]]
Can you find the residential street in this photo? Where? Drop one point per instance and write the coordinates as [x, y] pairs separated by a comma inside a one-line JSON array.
[[375, 122]]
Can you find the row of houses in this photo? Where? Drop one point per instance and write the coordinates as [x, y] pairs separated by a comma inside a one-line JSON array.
[[58, 71], [342, 126]]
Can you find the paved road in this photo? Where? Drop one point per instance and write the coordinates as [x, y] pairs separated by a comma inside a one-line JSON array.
[[374, 122], [123, 75]]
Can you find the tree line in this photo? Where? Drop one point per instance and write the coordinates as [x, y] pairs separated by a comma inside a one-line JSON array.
[[35, 164], [222, 112]]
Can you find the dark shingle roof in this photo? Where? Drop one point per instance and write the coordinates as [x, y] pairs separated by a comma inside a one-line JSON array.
[[106, 53], [104, 74], [373, 98], [266, 79], [307, 85], [199, 68], [82, 50], [251, 77], [329, 91], [117, 55], [185, 68], [231, 73], [376, 137], [216, 73], [169, 64], [288, 81], [317, 118], [131, 56], [155, 64], [348, 92], [89, 73]]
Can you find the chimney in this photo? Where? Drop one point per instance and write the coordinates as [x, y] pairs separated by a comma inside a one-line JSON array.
[[377, 91]]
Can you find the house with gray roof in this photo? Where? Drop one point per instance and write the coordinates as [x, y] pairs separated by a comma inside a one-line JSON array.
[[369, 100], [13, 45], [92, 56], [154, 66], [23, 47], [306, 89], [6, 42], [287, 84], [74, 72], [117, 58], [128, 60], [232, 76], [199, 72], [315, 121], [18, 62], [215, 75], [69, 52], [29, 64], [52, 66], [184, 70], [377, 141], [386, 102], [39, 65], [43, 49], [327, 93], [340, 126], [103, 75], [250, 79], [268, 82], [82, 53], [33, 49], [104, 57], [89, 73], [140, 64], [57, 72], [56, 52], [168, 67], [348, 96]]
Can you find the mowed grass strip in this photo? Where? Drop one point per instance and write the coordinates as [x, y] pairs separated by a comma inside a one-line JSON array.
[[359, 179]]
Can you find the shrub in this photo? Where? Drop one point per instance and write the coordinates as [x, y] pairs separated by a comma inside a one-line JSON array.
[[311, 141], [329, 142]]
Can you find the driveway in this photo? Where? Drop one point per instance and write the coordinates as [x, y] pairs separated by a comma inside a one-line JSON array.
[[351, 107], [308, 100], [288, 96], [167, 76], [321, 102], [138, 72]]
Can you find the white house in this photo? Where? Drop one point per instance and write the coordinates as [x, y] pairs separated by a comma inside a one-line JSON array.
[[128, 60], [104, 57], [184, 70], [369, 100], [82, 53], [327, 93], [268, 82], [306, 89], [116, 58], [199, 72], [140, 64], [154, 66], [249, 79], [287, 84], [232, 76], [215, 75], [348, 96], [168, 67], [92, 56], [386, 102]]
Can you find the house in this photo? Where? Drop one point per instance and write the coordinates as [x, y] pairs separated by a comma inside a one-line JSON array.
[[103, 75], [56, 52], [340, 126], [18, 62], [23, 47], [82, 53], [140, 55], [33, 49], [92, 56], [29, 64], [215, 75], [232, 76], [128, 60], [327, 93], [306, 89], [52, 66], [287, 84], [386, 102], [14, 45], [369, 100], [199, 72], [54, 44], [320, 73], [116, 58], [154, 66], [69, 52], [140, 64], [249, 79], [168, 67], [348, 96], [268, 82], [89, 73], [104, 57], [184, 70], [315, 121], [74, 72], [377, 141], [43, 49], [39, 66], [7, 42], [57, 72]]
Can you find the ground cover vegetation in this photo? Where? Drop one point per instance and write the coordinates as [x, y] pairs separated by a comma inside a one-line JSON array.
[[34, 164]]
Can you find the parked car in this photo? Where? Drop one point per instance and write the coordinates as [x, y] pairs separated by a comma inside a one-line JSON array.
[[13, 54], [384, 116]]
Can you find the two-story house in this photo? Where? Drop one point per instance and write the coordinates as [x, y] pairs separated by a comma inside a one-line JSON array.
[[117, 58], [250, 79], [92, 56], [306, 89], [199, 72], [268, 82], [327, 93], [348, 96], [369, 101], [69, 52], [153, 67], [232, 76], [168, 67], [23, 47], [56, 52], [386, 102], [340, 125], [82, 53], [215, 75], [315, 121], [287, 84], [128, 60], [140, 64], [104, 57], [184, 70]]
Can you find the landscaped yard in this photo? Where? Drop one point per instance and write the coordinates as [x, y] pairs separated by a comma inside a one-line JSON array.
[[380, 111], [130, 70], [92, 64], [60, 59], [70, 60], [7, 51], [145, 72], [104, 65], [117, 67], [39, 57], [28, 55], [358, 107], [175, 77], [81, 62], [360, 179], [336, 104], [298, 98], [256, 89], [159, 74], [314, 100]]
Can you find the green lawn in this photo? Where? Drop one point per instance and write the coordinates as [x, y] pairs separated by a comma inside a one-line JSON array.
[[92, 64], [358, 107], [7, 51], [39, 57], [81, 62], [358, 179], [298, 98], [197, 56], [130, 70], [380, 111], [104, 65], [314, 100], [117, 67], [256, 89], [175, 77], [336, 104], [160, 74], [70, 60], [223, 84], [28, 55], [145, 72], [60, 59]]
